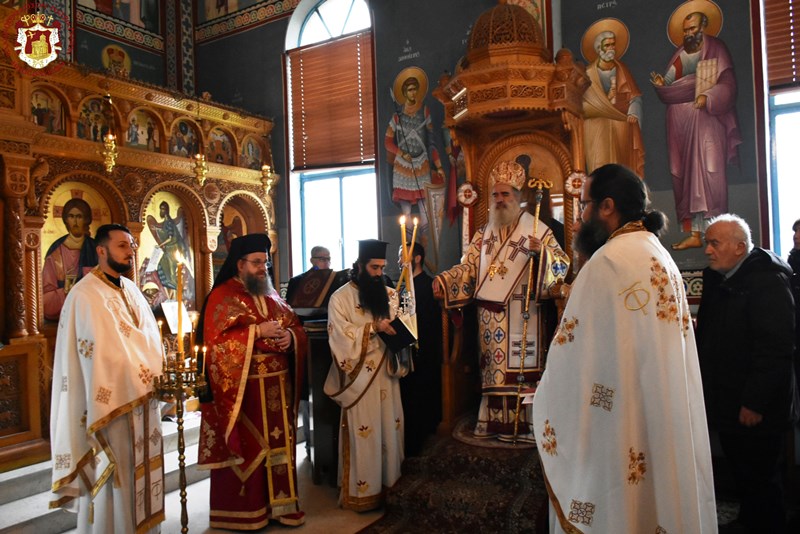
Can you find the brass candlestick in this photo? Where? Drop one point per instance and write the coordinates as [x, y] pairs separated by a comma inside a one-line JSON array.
[[179, 381]]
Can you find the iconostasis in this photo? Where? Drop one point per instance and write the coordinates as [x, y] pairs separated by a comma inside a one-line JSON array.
[[83, 149]]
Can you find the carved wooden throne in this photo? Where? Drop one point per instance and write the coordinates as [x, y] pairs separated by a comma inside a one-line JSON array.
[[508, 98]]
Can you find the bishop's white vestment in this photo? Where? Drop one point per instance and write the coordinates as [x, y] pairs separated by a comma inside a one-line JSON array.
[[494, 272], [105, 425], [371, 430], [618, 415]]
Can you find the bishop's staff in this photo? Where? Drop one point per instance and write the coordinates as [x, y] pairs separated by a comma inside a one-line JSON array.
[[540, 184]]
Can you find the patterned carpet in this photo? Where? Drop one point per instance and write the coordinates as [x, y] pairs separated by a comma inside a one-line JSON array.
[[458, 487], [462, 484]]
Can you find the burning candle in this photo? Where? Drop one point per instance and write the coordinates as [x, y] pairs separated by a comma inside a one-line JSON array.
[[413, 239], [203, 368], [161, 340], [403, 237], [194, 363], [179, 295], [194, 315]]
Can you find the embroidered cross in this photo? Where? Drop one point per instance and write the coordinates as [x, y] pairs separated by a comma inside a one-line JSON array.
[[103, 395], [63, 461], [521, 295], [602, 397], [581, 512], [517, 345], [490, 243], [517, 247]]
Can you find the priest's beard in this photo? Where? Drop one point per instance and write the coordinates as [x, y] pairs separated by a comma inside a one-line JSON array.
[[372, 294], [505, 213], [256, 285], [591, 236]]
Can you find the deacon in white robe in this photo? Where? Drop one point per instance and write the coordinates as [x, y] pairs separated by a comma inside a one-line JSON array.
[[371, 430], [105, 425], [619, 417], [494, 272]]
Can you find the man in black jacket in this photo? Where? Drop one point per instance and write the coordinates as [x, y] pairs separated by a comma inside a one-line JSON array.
[[794, 263], [421, 390], [745, 338]]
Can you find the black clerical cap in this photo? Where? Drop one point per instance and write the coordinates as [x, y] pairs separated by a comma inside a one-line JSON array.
[[372, 249], [247, 244], [240, 247]]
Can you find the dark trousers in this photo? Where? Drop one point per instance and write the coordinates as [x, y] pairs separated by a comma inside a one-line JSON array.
[[755, 463]]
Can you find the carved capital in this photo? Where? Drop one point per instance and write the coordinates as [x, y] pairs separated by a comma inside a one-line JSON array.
[[212, 235]]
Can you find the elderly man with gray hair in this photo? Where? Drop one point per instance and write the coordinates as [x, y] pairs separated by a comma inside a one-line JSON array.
[[745, 340]]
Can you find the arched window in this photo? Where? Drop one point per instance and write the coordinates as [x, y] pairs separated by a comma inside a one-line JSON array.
[[330, 85], [333, 18]]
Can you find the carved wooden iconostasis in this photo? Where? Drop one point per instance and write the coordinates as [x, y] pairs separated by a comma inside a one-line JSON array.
[[509, 100], [185, 175]]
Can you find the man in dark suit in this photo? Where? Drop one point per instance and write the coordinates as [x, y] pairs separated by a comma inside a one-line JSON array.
[[745, 341]]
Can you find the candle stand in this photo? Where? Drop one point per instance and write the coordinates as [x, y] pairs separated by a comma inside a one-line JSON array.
[[178, 382]]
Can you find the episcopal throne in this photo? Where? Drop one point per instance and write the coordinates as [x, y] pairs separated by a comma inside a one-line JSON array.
[[508, 100]]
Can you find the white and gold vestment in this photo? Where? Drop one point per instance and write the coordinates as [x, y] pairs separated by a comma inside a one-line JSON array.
[[619, 416], [105, 424], [494, 273], [371, 431]]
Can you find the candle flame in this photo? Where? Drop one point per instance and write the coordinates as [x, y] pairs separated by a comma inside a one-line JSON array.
[[416, 221], [402, 219]]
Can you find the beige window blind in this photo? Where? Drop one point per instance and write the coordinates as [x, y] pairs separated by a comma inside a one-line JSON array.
[[332, 103], [781, 19]]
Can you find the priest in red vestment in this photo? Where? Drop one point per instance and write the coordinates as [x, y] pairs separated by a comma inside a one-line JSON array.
[[256, 352]]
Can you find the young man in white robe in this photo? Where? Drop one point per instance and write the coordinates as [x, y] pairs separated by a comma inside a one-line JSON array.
[[371, 430], [105, 424], [618, 416]]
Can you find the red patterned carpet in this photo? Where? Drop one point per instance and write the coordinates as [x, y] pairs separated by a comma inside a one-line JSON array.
[[458, 487]]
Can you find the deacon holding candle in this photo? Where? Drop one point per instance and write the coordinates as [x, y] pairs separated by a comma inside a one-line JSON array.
[[256, 354]]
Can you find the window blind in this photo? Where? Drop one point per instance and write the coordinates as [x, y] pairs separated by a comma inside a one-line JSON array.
[[332, 103], [781, 19]]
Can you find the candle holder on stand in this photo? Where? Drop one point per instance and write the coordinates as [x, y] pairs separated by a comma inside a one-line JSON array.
[[181, 379]]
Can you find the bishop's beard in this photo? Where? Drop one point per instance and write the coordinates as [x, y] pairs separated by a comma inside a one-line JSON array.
[[256, 285], [506, 214], [591, 236], [372, 295]]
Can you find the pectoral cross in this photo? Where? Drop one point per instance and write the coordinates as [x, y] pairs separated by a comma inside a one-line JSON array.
[[498, 269]]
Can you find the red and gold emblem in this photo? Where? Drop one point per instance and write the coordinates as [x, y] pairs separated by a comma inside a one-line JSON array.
[[39, 39]]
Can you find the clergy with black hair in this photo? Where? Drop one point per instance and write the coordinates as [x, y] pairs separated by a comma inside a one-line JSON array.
[[256, 352], [371, 430]]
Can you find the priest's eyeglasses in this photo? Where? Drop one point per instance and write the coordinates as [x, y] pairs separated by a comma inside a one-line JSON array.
[[582, 205], [259, 263]]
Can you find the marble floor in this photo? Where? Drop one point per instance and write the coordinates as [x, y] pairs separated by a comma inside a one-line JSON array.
[[323, 515]]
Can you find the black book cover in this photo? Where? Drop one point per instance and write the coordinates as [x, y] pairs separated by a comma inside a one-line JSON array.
[[402, 339]]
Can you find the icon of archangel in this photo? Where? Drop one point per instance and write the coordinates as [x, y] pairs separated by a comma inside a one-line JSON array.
[[171, 244]]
